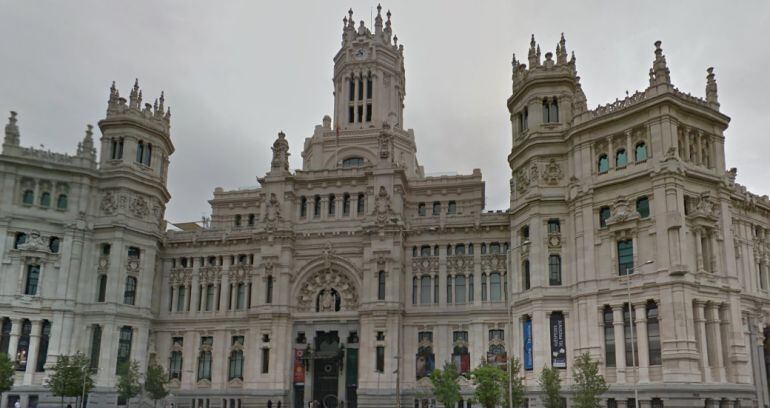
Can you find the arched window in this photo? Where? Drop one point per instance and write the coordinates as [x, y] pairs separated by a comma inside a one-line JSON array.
[[495, 287], [237, 220], [303, 207], [621, 158], [360, 206], [42, 350], [640, 152], [28, 197], [235, 370], [45, 199], [346, 204], [451, 207], [460, 249], [421, 209], [470, 288], [116, 149], [101, 293], [554, 270], [332, 205], [129, 294], [526, 283], [33, 276], [148, 155], [604, 163], [316, 206], [61, 202], [425, 250], [53, 244], [653, 333], [352, 162], [252, 219], [180, 298], [240, 296], [643, 206], [414, 290], [436, 208], [381, 285], [19, 239], [609, 337], [483, 287], [22, 348], [5, 335], [470, 249], [425, 290], [604, 214], [546, 112], [139, 151], [124, 349], [553, 115], [494, 248], [204, 362], [460, 289]]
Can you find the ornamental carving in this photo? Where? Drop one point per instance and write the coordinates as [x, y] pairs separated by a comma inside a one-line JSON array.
[[34, 242], [181, 276], [272, 212], [280, 153], [621, 212], [210, 274], [703, 206], [109, 203], [139, 207], [493, 263], [425, 264], [382, 208], [239, 273], [552, 173], [133, 265], [460, 264], [385, 140], [104, 264], [328, 287]]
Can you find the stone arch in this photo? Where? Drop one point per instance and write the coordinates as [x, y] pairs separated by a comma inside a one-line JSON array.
[[350, 151], [325, 274]]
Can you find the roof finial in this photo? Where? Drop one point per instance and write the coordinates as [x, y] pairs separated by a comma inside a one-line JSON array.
[[712, 98], [534, 53], [561, 51], [12, 130], [162, 102], [660, 69], [378, 22], [351, 23]]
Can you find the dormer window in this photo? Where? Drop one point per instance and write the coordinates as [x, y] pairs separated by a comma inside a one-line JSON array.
[[353, 162]]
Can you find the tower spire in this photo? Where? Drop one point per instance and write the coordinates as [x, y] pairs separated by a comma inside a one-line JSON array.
[[561, 51], [534, 53], [712, 98], [378, 22], [661, 73]]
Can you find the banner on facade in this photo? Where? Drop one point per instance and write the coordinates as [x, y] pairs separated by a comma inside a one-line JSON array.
[[425, 364], [527, 329], [558, 341], [299, 369]]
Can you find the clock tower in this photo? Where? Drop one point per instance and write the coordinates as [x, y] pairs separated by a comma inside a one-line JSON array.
[[368, 76]]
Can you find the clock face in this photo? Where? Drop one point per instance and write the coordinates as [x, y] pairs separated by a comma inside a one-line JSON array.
[[360, 54]]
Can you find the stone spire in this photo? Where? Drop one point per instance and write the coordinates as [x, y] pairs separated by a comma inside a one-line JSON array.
[[660, 72], [135, 98], [280, 149], [12, 131], [388, 30], [86, 147], [534, 53], [378, 22], [561, 51], [712, 97]]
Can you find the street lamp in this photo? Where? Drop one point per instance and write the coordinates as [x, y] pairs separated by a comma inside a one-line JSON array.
[[510, 318], [627, 279]]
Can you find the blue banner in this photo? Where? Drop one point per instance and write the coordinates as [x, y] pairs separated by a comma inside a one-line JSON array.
[[528, 358]]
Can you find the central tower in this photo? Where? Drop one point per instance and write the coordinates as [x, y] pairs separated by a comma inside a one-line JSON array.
[[368, 76]]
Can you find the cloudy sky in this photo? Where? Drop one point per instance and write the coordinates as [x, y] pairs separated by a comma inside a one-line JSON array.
[[237, 72]]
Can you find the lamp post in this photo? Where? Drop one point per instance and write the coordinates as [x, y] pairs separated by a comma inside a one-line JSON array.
[[627, 279], [510, 318]]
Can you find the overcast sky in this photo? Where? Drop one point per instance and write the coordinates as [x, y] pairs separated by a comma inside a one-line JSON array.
[[237, 72]]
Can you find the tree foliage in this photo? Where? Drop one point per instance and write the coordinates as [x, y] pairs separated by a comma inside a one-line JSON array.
[[128, 384], [7, 372], [588, 384], [491, 385], [71, 376], [550, 388], [445, 386], [517, 388], [155, 382]]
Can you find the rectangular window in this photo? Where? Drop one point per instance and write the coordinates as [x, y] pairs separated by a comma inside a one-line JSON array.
[[451, 207], [269, 290], [425, 288], [265, 360], [381, 285], [609, 337], [369, 88], [360, 113], [459, 289], [554, 270], [368, 112], [180, 299], [625, 257], [421, 209], [380, 359], [33, 275], [553, 226], [643, 207], [604, 214], [102, 290], [209, 298], [360, 89], [352, 89], [124, 349], [351, 114], [96, 345]]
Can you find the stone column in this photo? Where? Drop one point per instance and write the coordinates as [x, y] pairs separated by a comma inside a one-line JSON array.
[[620, 343], [139, 346], [172, 299], [698, 249], [640, 310], [610, 153], [107, 349], [324, 207], [13, 342], [715, 264], [195, 288], [687, 144], [338, 206], [32, 351], [713, 329], [700, 329]]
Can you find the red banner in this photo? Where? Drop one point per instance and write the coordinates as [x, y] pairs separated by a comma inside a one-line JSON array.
[[299, 369]]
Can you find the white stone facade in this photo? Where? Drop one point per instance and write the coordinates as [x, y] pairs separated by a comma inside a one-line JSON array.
[[360, 254]]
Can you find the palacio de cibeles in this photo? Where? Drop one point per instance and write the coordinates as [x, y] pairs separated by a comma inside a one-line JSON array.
[[348, 281]]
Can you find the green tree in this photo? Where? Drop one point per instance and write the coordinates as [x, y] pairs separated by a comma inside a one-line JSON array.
[[155, 382], [516, 384], [588, 384], [7, 372], [128, 384], [491, 385], [71, 377], [445, 386], [550, 388]]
